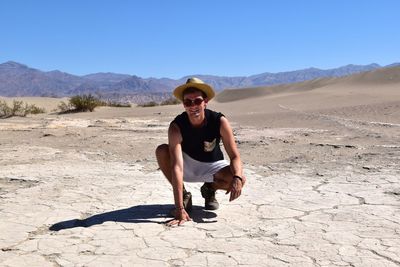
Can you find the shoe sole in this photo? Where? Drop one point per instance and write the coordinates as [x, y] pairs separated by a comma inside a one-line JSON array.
[[208, 207]]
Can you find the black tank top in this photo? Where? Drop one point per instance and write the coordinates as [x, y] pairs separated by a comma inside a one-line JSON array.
[[201, 143]]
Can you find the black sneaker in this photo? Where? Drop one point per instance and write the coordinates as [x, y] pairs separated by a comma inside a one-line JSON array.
[[187, 201], [208, 194]]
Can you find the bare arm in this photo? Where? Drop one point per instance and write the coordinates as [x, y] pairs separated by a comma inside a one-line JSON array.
[[230, 146], [175, 151], [235, 162]]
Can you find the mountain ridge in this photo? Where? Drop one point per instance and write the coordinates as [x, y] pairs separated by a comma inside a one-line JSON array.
[[18, 79]]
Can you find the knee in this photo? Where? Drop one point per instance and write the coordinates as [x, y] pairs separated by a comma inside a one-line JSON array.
[[221, 184], [162, 150]]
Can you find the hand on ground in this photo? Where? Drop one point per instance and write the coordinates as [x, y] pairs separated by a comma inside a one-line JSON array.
[[181, 217]]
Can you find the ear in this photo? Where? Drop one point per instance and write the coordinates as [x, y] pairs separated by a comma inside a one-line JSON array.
[[206, 100]]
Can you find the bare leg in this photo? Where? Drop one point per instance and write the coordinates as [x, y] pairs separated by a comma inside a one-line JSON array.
[[162, 154], [163, 159], [223, 179]]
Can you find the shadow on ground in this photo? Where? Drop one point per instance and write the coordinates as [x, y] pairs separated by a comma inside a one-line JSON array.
[[136, 214]]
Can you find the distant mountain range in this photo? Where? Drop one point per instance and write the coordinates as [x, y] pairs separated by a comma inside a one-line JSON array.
[[20, 80]]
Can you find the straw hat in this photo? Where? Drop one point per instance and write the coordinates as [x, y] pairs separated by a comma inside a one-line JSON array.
[[195, 83]]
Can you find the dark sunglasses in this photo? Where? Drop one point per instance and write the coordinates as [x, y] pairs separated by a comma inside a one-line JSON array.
[[194, 102]]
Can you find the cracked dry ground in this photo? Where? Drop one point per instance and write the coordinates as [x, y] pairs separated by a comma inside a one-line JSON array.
[[86, 192]]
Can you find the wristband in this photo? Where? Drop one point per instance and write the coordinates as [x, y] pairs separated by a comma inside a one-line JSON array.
[[240, 178]]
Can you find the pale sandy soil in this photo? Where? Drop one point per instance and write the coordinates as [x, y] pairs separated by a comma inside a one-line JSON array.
[[323, 185]]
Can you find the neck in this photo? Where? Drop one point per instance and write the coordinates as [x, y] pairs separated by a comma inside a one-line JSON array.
[[197, 121]]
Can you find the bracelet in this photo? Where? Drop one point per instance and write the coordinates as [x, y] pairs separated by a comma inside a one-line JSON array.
[[240, 178], [180, 208]]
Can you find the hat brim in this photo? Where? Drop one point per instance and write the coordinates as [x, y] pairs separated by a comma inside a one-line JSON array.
[[201, 86]]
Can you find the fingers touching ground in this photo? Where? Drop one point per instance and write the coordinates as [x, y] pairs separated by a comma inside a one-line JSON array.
[[181, 217]]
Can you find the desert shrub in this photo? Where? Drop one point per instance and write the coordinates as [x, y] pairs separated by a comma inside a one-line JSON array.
[[83, 103], [33, 109], [18, 108], [101, 103], [170, 101], [149, 104], [116, 104], [119, 105], [5, 110], [64, 107]]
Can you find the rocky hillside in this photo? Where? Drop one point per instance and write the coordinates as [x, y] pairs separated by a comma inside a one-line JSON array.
[[20, 80]]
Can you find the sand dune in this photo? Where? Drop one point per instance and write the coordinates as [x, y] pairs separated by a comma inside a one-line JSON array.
[[321, 158], [377, 77], [382, 80], [240, 94], [347, 96]]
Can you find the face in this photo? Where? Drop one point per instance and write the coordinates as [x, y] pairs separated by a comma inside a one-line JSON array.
[[194, 104]]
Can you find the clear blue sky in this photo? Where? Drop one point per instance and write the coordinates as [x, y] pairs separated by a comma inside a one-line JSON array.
[[161, 38]]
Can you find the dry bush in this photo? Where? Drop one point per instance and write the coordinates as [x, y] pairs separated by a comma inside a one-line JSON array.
[[18, 108], [64, 107], [116, 104], [83, 103], [148, 104], [170, 101], [33, 109]]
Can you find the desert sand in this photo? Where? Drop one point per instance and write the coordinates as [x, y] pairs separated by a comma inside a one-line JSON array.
[[321, 158]]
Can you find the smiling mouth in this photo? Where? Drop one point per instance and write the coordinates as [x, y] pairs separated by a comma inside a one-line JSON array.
[[195, 112]]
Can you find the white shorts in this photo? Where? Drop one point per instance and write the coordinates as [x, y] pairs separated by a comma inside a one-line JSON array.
[[196, 171]]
